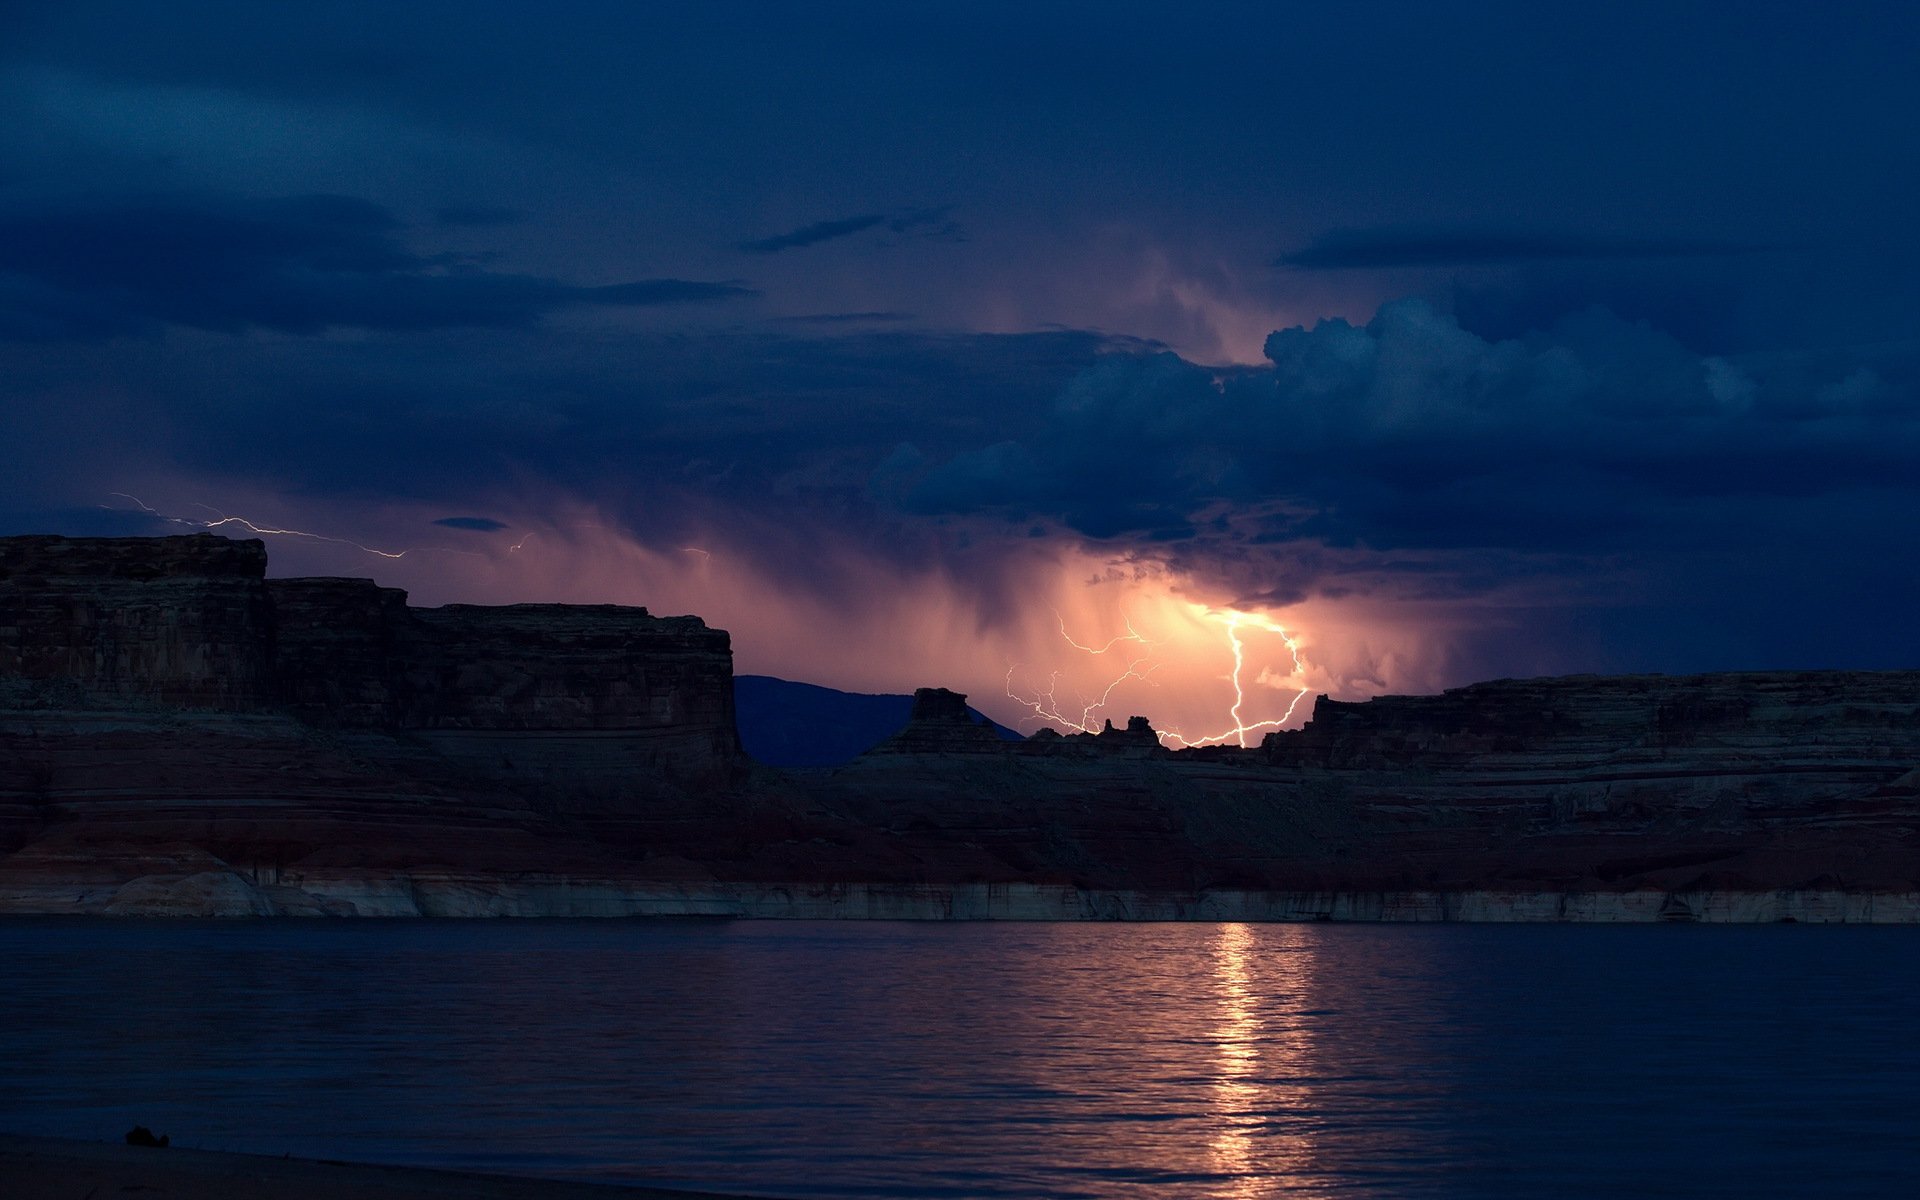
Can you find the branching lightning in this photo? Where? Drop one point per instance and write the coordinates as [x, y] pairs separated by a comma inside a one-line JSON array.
[[1232, 620], [1045, 705], [1131, 635]]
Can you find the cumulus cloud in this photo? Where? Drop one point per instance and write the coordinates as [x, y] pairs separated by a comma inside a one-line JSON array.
[[1597, 464], [1596, 491], [298, 264], [1410, 430]]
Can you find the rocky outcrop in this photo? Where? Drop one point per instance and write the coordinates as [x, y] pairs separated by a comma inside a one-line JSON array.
[[941, 723], [179, 735]]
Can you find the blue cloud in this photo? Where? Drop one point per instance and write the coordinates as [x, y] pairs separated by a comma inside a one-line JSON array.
[[299, 264], [931, 223]]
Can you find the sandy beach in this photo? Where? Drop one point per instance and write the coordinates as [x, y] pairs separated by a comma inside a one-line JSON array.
[[39, 1168]]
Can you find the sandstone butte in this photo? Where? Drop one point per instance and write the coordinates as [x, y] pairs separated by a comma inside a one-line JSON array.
[[180, 735]]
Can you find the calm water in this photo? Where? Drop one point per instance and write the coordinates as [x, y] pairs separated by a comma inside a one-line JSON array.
[[994, 1060]]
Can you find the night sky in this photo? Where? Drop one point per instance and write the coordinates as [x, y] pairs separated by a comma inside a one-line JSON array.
[[1021, 348]]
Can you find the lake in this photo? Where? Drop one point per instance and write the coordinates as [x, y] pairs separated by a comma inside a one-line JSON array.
[[993, 1060]]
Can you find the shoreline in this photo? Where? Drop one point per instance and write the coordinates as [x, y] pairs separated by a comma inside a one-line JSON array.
[[232, 894], [50, 1168]]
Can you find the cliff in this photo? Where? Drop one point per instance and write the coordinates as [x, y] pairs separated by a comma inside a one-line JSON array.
[[179, 621], [179, 734], [191, 623], [1594, 755], [161, 702], [592, 697]]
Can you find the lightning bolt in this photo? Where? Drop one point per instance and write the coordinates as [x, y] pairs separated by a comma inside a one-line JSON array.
[[1129, 636], [222, 520], [1045, 706], [1231, 620], [1044, 703]]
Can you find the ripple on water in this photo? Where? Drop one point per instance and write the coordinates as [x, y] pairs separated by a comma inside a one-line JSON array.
[[993, 1060]]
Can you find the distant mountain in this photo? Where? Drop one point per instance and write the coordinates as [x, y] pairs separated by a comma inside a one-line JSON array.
[[788, 724]]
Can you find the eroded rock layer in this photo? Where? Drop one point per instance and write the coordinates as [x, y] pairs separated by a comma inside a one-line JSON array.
[[180, 735], [160, 691]]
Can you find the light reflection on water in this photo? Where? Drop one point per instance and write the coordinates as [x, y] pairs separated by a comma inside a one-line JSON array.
[[1238, 1091], [1207, 1061]]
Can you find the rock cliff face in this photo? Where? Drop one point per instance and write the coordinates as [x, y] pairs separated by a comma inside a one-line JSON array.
[[191, 623], [179, 734], [1739, 783], [161, 692], [1594, 754], [179, 621], [589, 698]]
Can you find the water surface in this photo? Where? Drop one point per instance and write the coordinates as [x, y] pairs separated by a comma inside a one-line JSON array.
[[993, 1060]]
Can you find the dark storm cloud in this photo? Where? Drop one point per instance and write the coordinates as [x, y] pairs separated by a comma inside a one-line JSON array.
[[728, 418], [1527, 437], [930, 223], [1660, 509], [1701, 309], [476, 524], [771, 439], [1374, 249], [297, 265], [1410, 432], [813, 235], [1406, 456]]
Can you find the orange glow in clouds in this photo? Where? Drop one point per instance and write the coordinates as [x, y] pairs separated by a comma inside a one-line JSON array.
[[1188, 636], [1036, 632]]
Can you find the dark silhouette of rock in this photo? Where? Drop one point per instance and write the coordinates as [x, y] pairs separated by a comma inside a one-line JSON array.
[[1138, 737], [597, 692], [179, 735], [941, 723], [140, 1135], [937, 705], [178, 621], [788, 724]]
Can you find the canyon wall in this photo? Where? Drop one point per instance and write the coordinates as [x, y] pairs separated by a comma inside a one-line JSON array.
[[179, 734], [1594, 754], [169, 668], [593, 701]]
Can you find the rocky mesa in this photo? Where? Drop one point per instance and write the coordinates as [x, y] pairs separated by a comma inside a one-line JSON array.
[[181, 735]]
